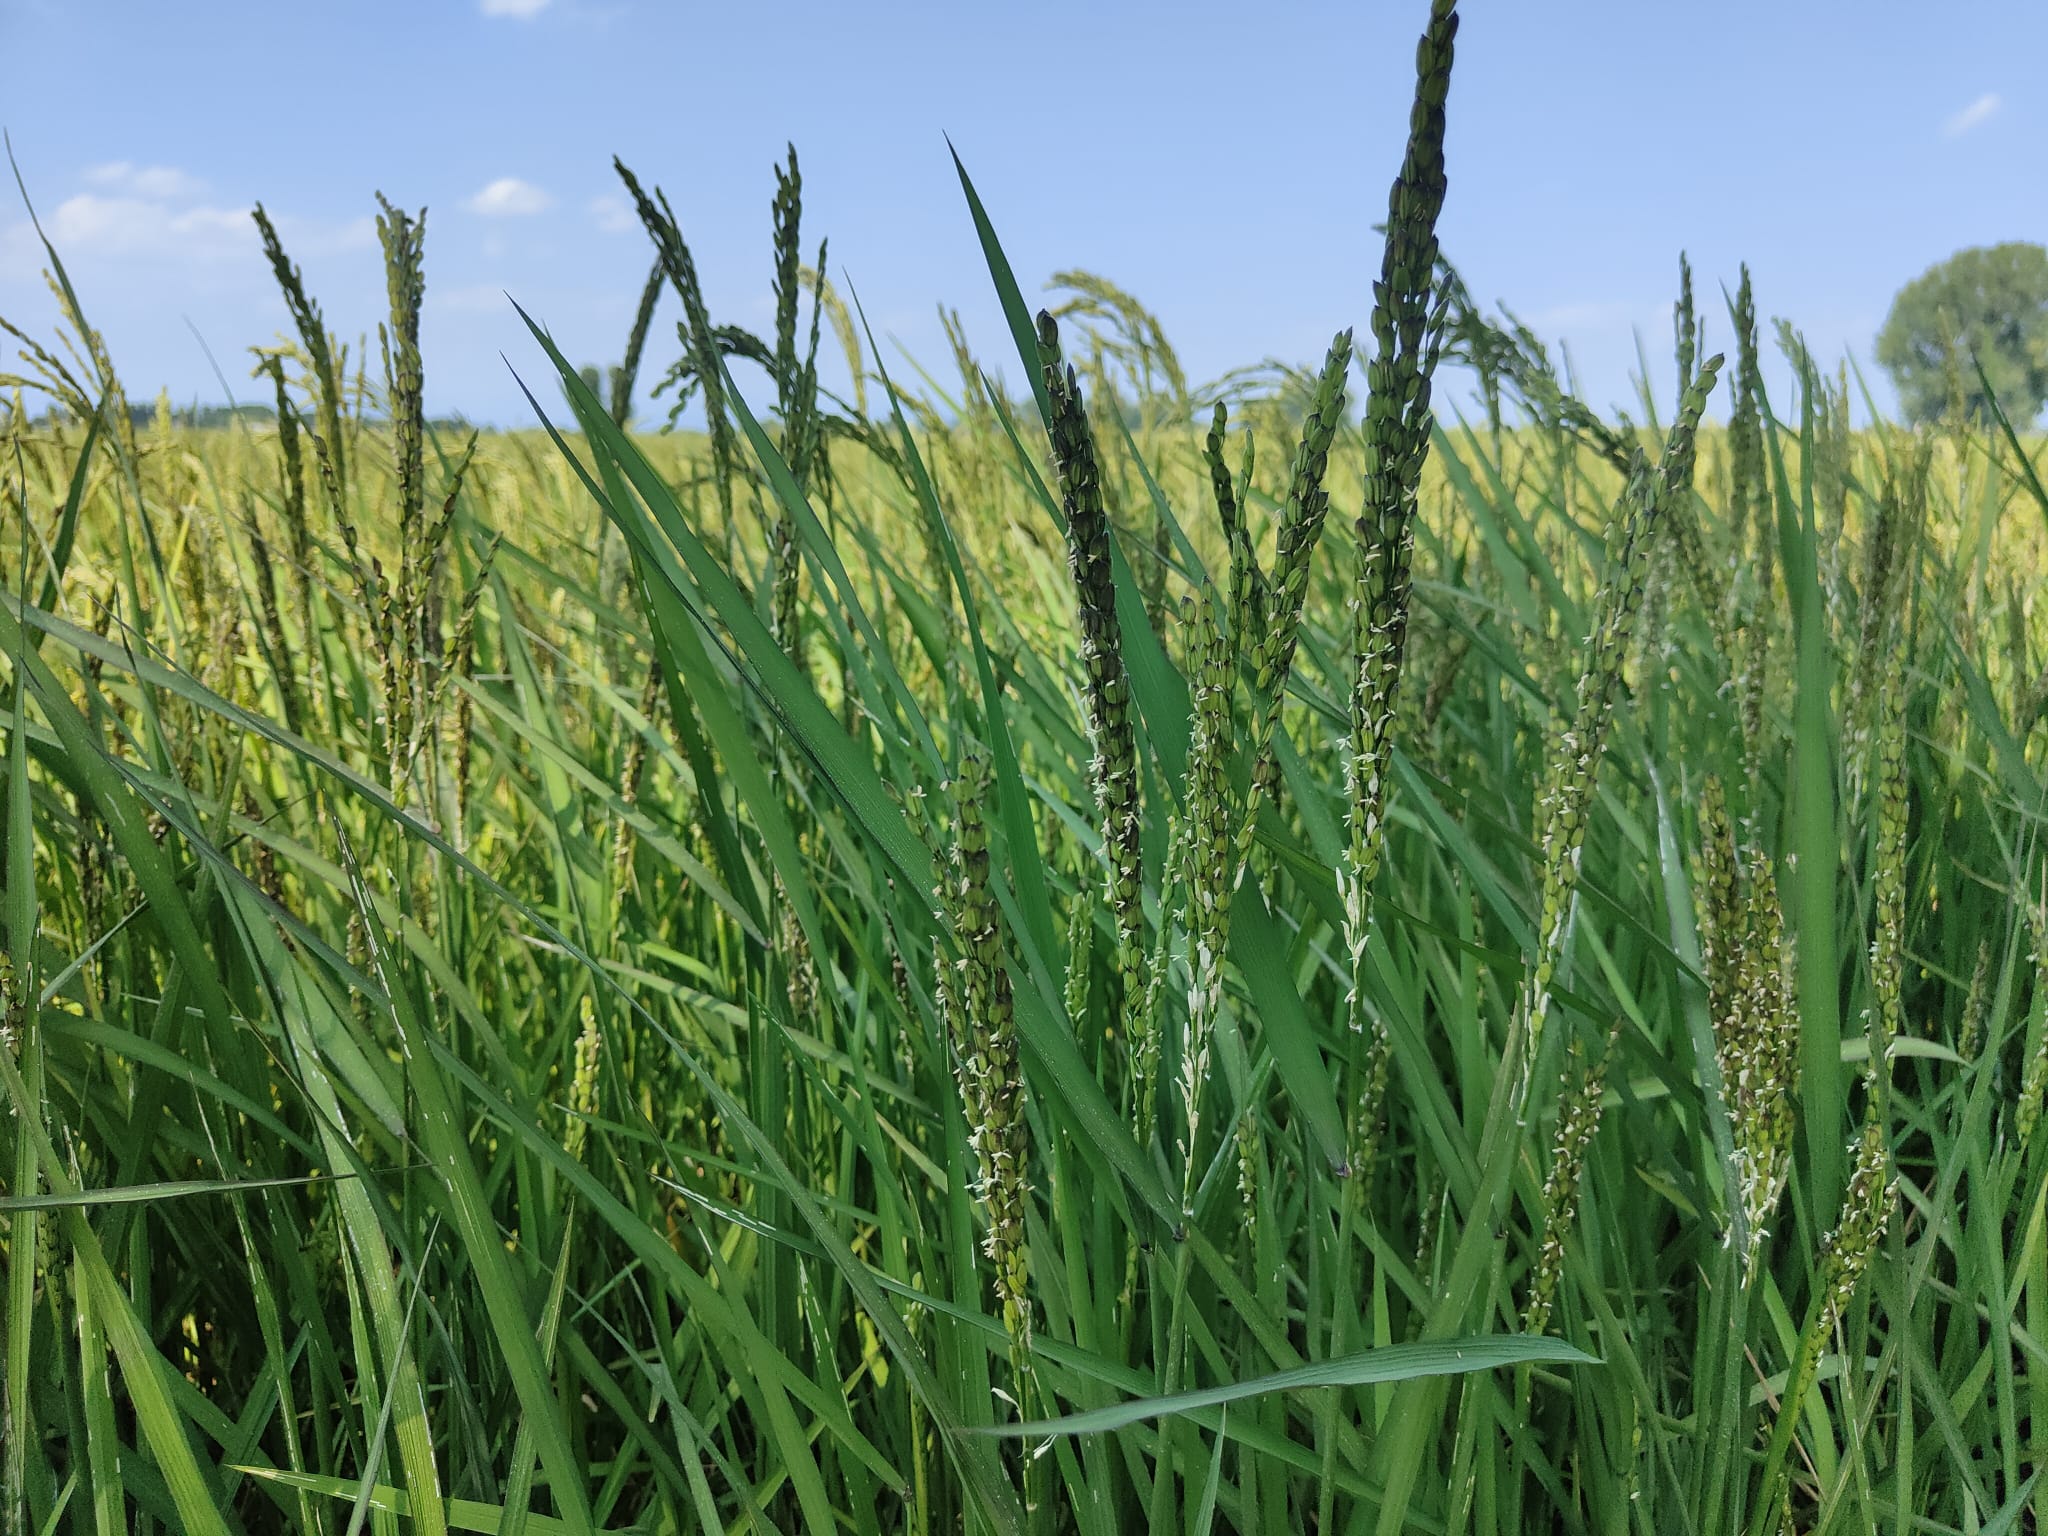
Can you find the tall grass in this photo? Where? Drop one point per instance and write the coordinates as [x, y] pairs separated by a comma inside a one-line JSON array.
[[976, 960]]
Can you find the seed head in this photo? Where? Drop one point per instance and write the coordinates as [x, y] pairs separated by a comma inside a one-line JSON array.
[[1847, 1251], [1207, 849], [1408, 321], [1566, 797], [985, 1054], [13, 1007], [1578, 1117], [583, 1086], [1888, 881], [1107, 685]]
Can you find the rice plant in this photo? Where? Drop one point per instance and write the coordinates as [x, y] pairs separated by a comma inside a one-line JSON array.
[[1108, 955]]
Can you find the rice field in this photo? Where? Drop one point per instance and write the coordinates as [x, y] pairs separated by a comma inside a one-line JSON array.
[[1097, 955]]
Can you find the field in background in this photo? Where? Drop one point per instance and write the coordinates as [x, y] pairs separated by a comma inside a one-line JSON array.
[[701, 981]]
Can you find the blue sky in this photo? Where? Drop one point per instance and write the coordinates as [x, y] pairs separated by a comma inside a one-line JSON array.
[[1226, 163]]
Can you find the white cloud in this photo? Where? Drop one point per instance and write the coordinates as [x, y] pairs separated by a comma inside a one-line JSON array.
[[91, 224], [1978, 112], [521, 9], [159, 214], [210, 244], [509, 197], [612, 215], [161, 182]]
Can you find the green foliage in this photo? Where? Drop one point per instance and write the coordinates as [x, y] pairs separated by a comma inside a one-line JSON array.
[[533, 1002], [1988, 302]]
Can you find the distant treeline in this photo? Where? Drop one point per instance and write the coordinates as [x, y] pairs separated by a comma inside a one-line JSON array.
[[204, 416]]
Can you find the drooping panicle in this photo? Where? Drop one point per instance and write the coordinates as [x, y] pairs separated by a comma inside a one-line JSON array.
[[628, 372], [321, 359], [700, 341]]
